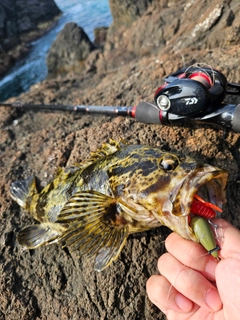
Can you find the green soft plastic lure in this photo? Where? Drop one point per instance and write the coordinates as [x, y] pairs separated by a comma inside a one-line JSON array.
[[204, 234]]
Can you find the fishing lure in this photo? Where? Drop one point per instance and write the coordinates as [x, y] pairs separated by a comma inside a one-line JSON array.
[[203, 211], [203, 208], [204, 234]]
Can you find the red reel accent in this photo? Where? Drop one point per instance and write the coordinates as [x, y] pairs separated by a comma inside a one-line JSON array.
[[160, 88], [203, 78]]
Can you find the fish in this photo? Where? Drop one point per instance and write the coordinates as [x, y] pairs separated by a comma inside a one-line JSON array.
[[93, 206]]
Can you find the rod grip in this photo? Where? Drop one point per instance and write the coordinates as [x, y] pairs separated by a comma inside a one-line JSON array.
[[147, 113], [236, 119]]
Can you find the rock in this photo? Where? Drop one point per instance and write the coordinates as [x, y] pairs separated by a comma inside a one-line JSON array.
[[124, 12], [22, 21], [160, 29], [100, 36], [92, 59], [68, 51]]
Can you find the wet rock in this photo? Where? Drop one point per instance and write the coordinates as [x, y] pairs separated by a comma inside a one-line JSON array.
[[68, 51], [22, 21]]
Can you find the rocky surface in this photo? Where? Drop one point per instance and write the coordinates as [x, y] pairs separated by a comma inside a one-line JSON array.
[[49, 282], [22, 21]]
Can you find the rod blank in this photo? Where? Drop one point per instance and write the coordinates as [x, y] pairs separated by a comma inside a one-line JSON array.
[[104, 110]]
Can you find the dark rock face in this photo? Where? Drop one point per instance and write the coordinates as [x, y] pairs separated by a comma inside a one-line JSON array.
[[22, 21], [170, 27], [69, 51], [50, 283]]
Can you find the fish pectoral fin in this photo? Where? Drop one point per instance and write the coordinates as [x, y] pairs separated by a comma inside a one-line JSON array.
[[21, 190], [35, 236], [94, 226]]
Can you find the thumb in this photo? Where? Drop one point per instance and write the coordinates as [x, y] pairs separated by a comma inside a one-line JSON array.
[[228, 269], [228, 284]]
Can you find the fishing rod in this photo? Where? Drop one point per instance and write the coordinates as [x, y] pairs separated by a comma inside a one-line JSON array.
[[191, 95]]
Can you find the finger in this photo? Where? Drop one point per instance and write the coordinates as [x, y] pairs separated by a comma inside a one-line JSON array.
[[192, 255], [191, 283], [228, 237], [165, 297], [228, 282]]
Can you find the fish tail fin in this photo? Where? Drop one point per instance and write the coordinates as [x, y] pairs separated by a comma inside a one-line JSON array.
[[94, 227], [22, 190], [35, 236]]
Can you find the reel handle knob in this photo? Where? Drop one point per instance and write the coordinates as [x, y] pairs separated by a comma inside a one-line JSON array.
[[236, 119]]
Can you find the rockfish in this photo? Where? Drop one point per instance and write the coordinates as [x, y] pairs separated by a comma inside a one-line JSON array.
[[122, 189]]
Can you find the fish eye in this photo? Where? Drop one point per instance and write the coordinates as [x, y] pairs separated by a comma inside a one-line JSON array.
[[168, 163]]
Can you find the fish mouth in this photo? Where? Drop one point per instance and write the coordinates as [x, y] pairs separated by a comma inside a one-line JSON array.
[[205, 181], [208, 183]]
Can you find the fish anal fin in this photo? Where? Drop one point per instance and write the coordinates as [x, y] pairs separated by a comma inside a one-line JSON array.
[[35, 236], [94, 226], [22, 190]]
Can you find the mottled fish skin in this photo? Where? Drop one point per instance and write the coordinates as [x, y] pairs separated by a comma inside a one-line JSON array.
[[121, 189]]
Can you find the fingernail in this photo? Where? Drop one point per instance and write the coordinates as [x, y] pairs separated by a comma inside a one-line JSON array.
[[213, 300], [183, 303]]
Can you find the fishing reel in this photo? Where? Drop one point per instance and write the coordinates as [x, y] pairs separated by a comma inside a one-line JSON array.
[[192, 91], [192, 95]]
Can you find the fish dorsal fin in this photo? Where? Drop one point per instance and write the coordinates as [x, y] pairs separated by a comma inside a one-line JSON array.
[[62, 174], [105, 150], [94, 226]]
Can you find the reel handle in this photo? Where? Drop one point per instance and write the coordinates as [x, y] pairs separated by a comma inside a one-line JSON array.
[[147, 113]]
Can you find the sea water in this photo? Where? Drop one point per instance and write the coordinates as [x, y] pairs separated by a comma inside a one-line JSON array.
[[88, 14]]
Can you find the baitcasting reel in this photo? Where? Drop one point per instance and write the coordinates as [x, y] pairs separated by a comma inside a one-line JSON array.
[[191, 91]]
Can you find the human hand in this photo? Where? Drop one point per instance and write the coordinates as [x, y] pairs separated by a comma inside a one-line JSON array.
[[195, 286]]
